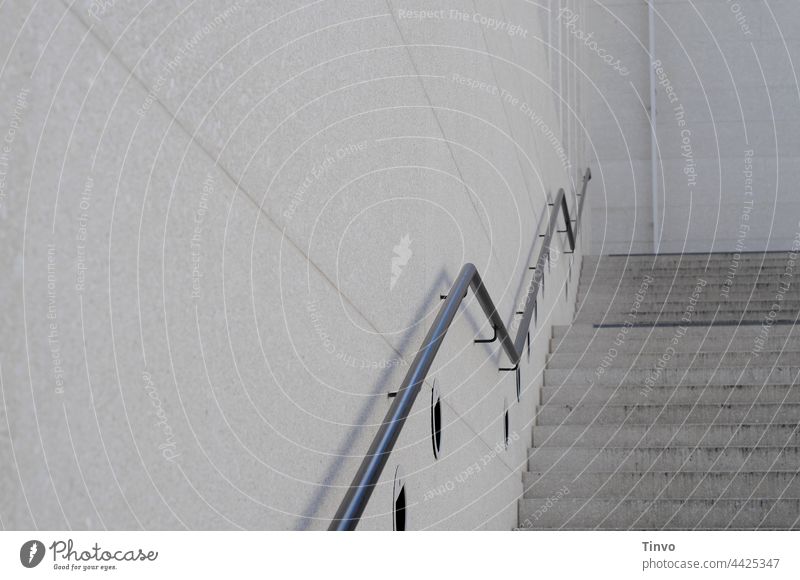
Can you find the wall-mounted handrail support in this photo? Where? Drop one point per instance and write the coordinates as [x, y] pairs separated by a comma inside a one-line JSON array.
[[369, 472]]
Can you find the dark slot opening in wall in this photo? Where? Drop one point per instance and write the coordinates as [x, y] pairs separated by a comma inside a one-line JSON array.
[[436, 425], [519, 384], [529, 346], [400, 511], [506, 436]]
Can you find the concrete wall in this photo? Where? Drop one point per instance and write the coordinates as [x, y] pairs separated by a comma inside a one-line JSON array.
[[727, 104], [225, 229]]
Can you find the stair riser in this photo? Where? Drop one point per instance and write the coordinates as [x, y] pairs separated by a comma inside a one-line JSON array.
[[687, 279], [695, 270], [706, 311], [601, 308], [577, 460], [666, 485], [679, 395], [570, 513], [675, 435], [679, 289], [679, 307], [587, 331], [686, 260], [667, 414], [625, 297], [694, 360], [699, 318], [685, 272], [658, 346], [641, 378]]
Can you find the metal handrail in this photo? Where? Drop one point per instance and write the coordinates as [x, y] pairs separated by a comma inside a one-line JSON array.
[[360, 490]]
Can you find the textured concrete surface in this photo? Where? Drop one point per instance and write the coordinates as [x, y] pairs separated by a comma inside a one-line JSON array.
[[727, 104], [225, 230]]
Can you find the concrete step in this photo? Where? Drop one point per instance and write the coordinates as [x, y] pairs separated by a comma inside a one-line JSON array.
[[623, 305], [691, 434], [612, 514], [754, 314], [632, 289], [690, 394], [609, 334], [624, 289], [680, 306], [773, 344], [687, 260], [719, 268], [670, 376], [619, 303], [685, 270], [678, 293], [686, 275], [701, 319], [672, 413], [664, 484], [697, 316], [582, 460], [683, 360]]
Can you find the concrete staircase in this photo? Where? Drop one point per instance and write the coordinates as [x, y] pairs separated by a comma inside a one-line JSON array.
[[672, 402]]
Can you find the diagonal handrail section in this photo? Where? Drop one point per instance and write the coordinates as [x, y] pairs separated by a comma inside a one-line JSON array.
[[369, 472]]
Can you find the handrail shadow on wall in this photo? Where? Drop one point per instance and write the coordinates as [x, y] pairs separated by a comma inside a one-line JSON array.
[[355, 500]]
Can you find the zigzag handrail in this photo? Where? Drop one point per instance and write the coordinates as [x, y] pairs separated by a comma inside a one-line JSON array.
[[369, 472]]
